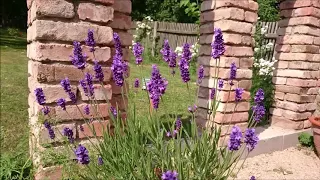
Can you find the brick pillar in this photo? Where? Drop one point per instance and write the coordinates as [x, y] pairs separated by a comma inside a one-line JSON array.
[[53, 26], [297, 73], [236, 20]]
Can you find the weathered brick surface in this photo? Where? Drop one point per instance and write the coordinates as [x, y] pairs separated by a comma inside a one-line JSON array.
[[121, 21], [49, 173], [94, 129], [226, 13], [236, 117], [123, 6], [61, 52], [52, 8], [228, 26], [73, 112], [96, 13], [285, 123], [62, 31], [100, 93], [44, 136], [226, 129], [106, 2], [296, 116]]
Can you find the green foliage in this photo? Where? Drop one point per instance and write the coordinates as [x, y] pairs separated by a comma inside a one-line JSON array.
[[268, 10], [15, 167], [306, 140], [13, 32]]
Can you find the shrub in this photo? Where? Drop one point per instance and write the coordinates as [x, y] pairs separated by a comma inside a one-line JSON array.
[[144, 147], [306, 140]]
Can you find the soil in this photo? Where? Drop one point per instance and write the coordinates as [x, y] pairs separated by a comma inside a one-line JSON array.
[[293, 163]]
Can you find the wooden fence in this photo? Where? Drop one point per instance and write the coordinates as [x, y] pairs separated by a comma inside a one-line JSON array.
[[179, 33]]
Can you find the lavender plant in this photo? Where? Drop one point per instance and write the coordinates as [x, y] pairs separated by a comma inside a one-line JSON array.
[[135, 147]]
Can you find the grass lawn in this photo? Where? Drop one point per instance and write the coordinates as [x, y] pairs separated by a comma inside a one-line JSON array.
[[14, 93]]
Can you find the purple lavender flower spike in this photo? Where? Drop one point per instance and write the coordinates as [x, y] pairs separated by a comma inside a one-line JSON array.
[[98, 71], [165, 51], [72, 96], [62, 103], [235, 139], [48, 126], [184, 69], [78, 59], [178, 123], [217, 45], [259, 97], [118, 70], [117, 44], [100, 161], [156, 86], [41, 99], [251, 139], [81, 128], [200, 74], [69, 134], [45, 110], [89, 80], [173, 59], [213, 93], [186, 53], [137, 52], [90, 40], [239, 92], [253, 178], [82, 155], [170, 175], [65, 83], [220, 84], [258, 112], [233, 73], [83, 84], [114, 111], [136, 83], [86, 110]]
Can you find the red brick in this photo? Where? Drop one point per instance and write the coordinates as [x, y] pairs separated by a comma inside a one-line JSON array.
[[316, 41], [231, 118], [225, 62], [288, 89], [245, 84], [94, 129], [226, 129], [227, 26], [253, 5], [282, 64], [29, 3], [297, 73], [123, 6], [106, 2], [58, 129], [247, 40], [295, 39], [251, 16], [313, 91], [121, 21], [285, 123], [230, 107], [283, 48], [41, 72], [43, 30], [205, 50], [49, 173], [241, 73], [125, 37], [246, 63], [279, 80], [306, 124], [225, 96], [295, 4], [284, 30], [226, 13], [306, 20], [74, 74], [100, 93], [118, 100], [313, 31], [296, 116], [207, 5], [304, 65], [300, 98], [316, 4], [52, 8], [294, 56], [61, 52], [95, 13], [305, 49], [294, 106], [305, 11], [232, 3], [301, 82], [279, 95], [72, 112], [238, 51]]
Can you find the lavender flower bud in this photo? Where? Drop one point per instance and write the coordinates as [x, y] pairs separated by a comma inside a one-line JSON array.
[[233, 73], [200, 74], [69, 134], [90, 40], [82, 154], [78, 59], [217, 45], [40, 96], [137, 83], [137, 52], [235, 139], [165, 51], [62, 103], [251, 139], [239, 92]]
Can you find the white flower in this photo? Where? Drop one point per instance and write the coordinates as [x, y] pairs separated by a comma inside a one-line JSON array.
[[264, 30], [269, 45], [256, 49]]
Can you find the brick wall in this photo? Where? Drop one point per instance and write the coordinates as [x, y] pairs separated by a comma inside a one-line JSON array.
[[236, 20], [53, 26], [297, 73]]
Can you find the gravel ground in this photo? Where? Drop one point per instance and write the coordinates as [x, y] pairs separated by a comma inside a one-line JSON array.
[[292, 163]]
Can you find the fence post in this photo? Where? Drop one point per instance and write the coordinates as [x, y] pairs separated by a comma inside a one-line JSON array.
[[154, 36]]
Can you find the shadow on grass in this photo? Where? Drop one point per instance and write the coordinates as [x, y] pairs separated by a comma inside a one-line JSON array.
[[15, 42]]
